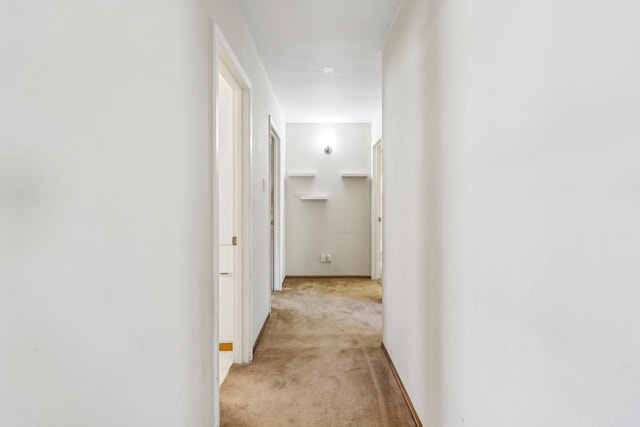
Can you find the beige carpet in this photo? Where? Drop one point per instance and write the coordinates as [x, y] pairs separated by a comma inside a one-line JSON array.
[[319, 362]]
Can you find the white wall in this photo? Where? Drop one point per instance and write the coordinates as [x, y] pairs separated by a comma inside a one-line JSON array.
[[227, 15], [105, 259], [105, 210], [512, 194], [339, 226]]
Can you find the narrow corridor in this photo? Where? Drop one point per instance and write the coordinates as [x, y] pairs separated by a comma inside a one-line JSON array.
[[319, 362]]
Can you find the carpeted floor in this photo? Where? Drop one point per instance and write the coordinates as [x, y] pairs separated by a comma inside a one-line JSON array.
[[319, 362]]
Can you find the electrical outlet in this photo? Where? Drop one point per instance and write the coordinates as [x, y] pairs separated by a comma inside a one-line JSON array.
[[327, 258], [323, 258]]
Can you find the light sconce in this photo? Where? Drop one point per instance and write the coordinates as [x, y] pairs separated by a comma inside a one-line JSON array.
[[327, 140]]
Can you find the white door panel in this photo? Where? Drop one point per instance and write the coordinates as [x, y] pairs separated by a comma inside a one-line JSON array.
[[226, 308], [226, 212], [226, 259]]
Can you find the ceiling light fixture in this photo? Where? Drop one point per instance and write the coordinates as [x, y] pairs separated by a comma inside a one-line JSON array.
[[328, 70]]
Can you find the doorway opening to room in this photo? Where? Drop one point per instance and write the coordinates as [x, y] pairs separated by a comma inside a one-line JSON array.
[[274, 203], [231, 212]]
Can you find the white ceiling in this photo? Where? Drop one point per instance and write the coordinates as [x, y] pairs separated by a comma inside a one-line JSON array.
[[297, 39]]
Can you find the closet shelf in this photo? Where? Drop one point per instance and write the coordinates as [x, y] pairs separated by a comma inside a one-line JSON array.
[[355, 174]]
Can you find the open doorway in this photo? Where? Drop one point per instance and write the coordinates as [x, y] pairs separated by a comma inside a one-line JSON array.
[[231, 156], [274, 203], [376, 214]]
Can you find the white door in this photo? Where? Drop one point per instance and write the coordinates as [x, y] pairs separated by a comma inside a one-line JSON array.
[[272, 202], [226, 215], [377, 219]]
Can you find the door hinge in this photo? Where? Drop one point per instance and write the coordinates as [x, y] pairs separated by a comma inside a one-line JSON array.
[[234, 240]]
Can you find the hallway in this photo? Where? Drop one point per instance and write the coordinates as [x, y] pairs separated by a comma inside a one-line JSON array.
[[319, 362], [511, 198]]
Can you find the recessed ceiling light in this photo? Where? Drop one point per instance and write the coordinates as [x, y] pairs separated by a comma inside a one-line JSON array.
[[328, 70]]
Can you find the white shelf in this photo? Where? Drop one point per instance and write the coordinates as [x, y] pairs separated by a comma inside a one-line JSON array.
[[314, 197], [355, 174], [302, 174]]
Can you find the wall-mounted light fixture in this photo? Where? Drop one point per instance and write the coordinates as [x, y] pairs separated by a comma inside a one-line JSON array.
[[327, 140]]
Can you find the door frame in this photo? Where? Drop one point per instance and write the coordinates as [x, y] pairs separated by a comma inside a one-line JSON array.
[[221, 53], [376, 210], [275, 180]]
